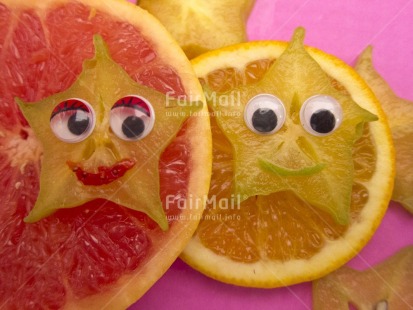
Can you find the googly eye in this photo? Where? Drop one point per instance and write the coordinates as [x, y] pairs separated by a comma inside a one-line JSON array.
[[321, 115], [264, 114], [72, 120], [132, 118]]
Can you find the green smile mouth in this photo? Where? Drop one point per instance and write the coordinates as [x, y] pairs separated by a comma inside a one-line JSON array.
[[286, 172]]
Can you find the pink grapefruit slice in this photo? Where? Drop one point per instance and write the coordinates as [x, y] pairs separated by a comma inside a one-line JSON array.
[[98, 255]]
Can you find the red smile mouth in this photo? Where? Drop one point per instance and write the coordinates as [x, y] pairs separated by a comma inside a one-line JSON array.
[[104, 175]]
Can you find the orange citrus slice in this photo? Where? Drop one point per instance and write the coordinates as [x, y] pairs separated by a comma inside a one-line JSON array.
[[298, 230], [385, 286], [400, 114], [101, 252], [200, 26]]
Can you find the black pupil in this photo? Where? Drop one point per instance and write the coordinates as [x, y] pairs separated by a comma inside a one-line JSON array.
[[78, 123], [133, 126], [323, 121], [264, 120]]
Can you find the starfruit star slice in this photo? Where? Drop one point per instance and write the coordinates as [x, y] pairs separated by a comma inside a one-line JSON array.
[[385, 286], [199, 26], [400, 115], [135, 185], [318, 168]]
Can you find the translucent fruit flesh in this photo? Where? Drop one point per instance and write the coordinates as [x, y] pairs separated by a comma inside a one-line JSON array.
[[200, 26], [317, 169], [385, 286], [278, 226], [278, 239], [138, 189], [400, 114]]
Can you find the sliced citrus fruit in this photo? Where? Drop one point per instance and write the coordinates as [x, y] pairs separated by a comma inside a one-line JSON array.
[[385, 286], [200, 26], [100, 254], [277, 212], [400, 113]]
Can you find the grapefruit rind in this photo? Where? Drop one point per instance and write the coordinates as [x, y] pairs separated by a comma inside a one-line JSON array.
[[167, 247], [269, 274]]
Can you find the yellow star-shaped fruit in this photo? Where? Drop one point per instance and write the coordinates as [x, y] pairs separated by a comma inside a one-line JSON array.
[[104, 164], [313, 162], [383, 286], [399, 112], [199, 25]]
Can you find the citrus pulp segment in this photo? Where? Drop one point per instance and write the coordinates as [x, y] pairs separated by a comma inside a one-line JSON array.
[[279, 239], [99, 254]]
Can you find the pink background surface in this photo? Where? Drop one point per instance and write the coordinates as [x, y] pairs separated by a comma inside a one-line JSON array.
[[342, 28]]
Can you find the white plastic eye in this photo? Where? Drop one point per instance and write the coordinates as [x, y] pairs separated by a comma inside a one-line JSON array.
[[321, 115], [72, 120], [132, 118], [264, 114]]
